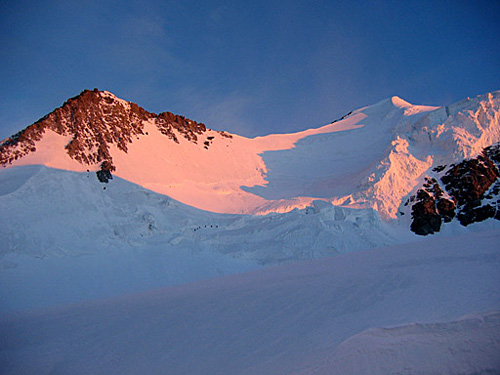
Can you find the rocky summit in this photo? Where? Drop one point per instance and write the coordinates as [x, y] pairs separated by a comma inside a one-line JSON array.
[[95, 121]]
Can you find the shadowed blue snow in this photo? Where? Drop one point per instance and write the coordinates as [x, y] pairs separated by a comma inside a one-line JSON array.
[[82, 242], [316, 317]]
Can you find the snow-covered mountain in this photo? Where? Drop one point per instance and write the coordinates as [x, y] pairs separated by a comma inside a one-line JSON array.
[[360, 182], [101, 198], [371, 158]]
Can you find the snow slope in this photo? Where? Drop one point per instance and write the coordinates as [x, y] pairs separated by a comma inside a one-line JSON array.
[[371, 158], [424, 308], [67, 237]]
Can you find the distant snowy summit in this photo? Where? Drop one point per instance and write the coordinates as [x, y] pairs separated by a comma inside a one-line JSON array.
[[407, 162]]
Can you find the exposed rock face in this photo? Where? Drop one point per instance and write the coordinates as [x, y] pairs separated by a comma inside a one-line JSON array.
[[426, 219], [167, 121], [469, 180], [430, 209], [446, 209], [104, 176], [473, 186], [97, 120]]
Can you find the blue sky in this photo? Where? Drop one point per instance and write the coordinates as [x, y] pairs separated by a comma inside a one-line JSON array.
[[249, 67]]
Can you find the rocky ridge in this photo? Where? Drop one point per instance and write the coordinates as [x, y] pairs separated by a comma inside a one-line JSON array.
[[96, 121]]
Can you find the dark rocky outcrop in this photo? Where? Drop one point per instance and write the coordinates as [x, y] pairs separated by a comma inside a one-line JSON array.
[[104, 175], [446, 209], [430, 208], [166, 122], [476, 214], [342, 118], [471, 179], [426, 219], [225, 135], [473, 186], [468, 182]]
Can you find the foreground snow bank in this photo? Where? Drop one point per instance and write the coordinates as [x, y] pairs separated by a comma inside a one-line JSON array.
[[470, 345], [304, 318]]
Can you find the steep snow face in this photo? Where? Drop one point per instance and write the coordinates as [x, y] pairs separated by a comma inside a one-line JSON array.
[[461, 130], [371, 158], [399, 310], [443, 136]]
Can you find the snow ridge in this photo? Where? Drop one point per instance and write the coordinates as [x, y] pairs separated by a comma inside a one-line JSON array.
[[421, 306]]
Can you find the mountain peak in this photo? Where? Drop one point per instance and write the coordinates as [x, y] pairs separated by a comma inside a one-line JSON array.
[[94, 96], [400, 103], [94, 121]]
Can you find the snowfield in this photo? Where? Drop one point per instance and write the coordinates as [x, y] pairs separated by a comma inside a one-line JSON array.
[[430, 307]]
